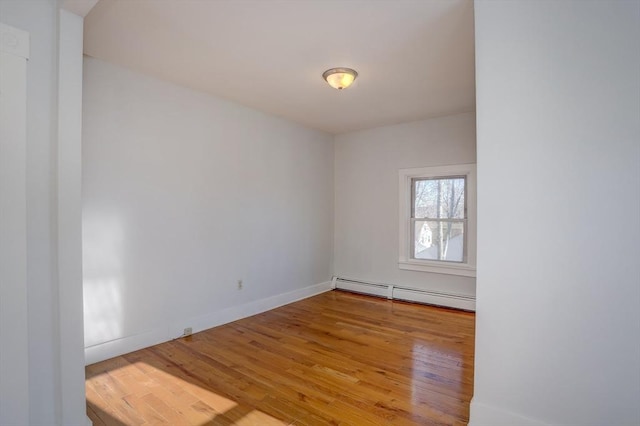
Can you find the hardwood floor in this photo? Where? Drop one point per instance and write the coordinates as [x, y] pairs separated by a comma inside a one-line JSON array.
[[336, 358]]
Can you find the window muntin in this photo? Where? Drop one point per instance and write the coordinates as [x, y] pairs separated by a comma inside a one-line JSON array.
[[439, 219]]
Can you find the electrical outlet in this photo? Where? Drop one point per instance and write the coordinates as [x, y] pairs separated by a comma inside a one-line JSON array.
[[187, 331], [239, 284]]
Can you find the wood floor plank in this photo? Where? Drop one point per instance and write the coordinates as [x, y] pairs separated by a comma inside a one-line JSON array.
[[336, 358]]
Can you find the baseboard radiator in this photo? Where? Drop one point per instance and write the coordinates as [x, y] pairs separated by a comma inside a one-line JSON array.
[[390, 291]]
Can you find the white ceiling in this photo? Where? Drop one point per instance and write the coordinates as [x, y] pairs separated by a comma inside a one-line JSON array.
[[415, 57], [79, 7]]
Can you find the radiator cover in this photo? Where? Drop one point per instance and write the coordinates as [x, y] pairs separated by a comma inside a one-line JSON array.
[[391, 291]]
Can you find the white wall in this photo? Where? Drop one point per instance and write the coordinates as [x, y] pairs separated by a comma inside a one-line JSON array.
[[558, 314], [54, 395], [39, 19], [185, 194], [14, 331], [367, 199]]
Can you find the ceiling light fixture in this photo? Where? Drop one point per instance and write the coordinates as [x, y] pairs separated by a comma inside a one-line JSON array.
[[340, 78]]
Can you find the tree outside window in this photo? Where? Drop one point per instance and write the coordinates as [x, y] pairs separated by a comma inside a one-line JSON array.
[[439, 218]]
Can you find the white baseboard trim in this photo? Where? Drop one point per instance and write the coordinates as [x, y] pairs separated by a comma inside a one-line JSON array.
[[486, 415], [128, 344], [113, 348], [235, 313], [400, 292]]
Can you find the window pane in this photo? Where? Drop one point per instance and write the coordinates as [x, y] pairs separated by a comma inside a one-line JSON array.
[[438, 240], [439, 198]]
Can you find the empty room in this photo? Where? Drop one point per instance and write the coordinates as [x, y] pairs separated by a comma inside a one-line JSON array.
[[312, 212]]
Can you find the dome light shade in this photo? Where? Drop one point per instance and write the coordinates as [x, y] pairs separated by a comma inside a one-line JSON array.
[[340, 78]]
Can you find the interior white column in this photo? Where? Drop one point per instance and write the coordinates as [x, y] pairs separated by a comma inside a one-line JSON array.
[[69, 218], [14, 356]]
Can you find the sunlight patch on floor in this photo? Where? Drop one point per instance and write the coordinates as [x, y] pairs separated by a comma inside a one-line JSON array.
[[125, 393]]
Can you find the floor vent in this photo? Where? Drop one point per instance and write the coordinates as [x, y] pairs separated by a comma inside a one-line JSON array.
[[391, 291]]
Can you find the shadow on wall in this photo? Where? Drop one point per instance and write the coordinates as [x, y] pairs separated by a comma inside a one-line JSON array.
[[102, 245]]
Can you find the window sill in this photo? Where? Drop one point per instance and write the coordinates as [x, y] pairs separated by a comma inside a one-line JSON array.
[[463, 270]]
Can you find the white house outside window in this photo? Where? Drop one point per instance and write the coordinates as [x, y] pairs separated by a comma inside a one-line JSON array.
[[437, 219]]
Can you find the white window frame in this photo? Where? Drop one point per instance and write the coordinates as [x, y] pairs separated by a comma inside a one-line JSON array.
[[405, 261]]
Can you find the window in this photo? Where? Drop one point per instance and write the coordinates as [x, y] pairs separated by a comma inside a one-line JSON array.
[[437, 219]]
